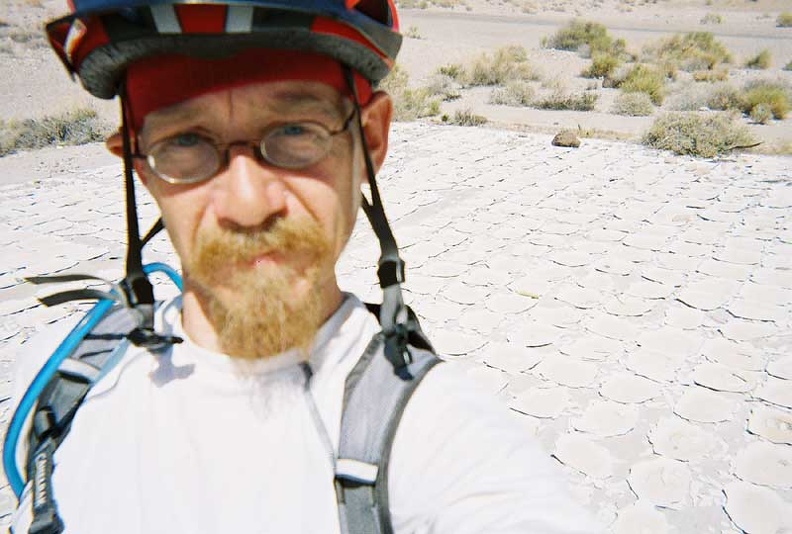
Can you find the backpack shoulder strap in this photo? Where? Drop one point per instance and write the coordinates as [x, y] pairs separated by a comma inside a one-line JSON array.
[[374, 400], [58, 403]]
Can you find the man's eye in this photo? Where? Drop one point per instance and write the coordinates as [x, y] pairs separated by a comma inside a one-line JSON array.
[[186, 140], [292, 130]]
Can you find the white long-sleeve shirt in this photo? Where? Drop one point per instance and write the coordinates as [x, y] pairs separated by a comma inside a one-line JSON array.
[[191, 441]]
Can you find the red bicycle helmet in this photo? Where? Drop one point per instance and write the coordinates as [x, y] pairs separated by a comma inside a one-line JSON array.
[[100, 38]]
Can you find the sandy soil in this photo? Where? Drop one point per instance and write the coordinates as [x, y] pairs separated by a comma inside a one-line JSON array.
[[34, 84]]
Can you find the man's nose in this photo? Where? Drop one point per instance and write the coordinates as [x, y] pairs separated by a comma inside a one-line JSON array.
[[248, 193]]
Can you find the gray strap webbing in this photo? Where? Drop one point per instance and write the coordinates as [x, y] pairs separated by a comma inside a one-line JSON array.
[[374, 400], [60, 400]]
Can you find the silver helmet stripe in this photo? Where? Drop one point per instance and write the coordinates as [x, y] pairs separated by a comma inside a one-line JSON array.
[[165, 19], [239, 19]]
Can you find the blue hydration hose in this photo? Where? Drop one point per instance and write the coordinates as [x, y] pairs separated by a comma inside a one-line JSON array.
[[64, 350]]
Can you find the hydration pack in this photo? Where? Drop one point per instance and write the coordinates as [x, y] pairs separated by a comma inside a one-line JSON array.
[[375, 395]]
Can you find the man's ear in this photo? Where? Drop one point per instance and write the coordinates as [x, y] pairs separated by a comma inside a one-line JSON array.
[[377, 115], [115, 144]]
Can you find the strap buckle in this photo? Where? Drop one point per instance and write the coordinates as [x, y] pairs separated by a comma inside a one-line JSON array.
[[391, 272]]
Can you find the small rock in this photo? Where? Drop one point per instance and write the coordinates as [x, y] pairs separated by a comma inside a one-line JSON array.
[[566, 138]]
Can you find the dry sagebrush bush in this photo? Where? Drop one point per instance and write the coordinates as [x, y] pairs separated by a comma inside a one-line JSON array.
[[466, 117], [760, 61], [603, 65], [716, 75], [761, 114], [75, 127], [633, 105], [559, 100], [776, 94], [694, 96], [504, 65], [585, 36], [689, 52], [408, 104], [784, 20], [698, 134], [515, 93], [443, 86], [645, 79], [711, 18]]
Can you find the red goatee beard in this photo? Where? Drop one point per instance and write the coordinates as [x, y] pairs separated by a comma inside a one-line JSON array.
[[267, 310]]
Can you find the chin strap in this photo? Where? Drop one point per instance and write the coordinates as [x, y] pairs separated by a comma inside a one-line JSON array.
[[393, 314]]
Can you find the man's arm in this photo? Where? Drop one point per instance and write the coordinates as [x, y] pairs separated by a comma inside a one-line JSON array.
[[461, 463]]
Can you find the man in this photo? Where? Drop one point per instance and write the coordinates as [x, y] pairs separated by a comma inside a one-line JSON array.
[[254, 125]]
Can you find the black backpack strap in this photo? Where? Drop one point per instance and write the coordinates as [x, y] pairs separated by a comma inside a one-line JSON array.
[[59, 402], [374, 400]]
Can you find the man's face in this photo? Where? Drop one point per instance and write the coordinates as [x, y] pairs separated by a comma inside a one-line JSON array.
[[259, 243]]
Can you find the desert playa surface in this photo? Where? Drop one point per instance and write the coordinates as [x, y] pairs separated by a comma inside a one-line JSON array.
[[632, 307]]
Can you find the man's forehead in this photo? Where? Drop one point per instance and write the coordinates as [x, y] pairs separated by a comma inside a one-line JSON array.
[[161, 82], [266, 101]]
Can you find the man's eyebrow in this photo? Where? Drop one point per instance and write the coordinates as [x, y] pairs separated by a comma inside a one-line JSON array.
[[291, 101]]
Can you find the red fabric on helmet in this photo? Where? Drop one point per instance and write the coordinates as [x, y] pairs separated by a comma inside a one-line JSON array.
[[163, 81]]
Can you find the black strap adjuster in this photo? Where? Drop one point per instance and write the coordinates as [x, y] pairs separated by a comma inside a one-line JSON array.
[[391, 272]]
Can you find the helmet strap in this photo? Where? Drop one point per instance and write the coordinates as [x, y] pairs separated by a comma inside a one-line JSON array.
[[393, 315], [136, 285]]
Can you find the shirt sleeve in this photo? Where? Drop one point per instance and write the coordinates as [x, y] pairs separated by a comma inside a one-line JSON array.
[[462, 464]]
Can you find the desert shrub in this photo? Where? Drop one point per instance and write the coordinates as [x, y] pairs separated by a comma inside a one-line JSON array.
[[413, 33], [515, 93], [788, 66], [698, 134], [784, 20], [723, 97], [443, 86], [31, 38], [466, 117], [761, 114], [505, 64], [759, 61], [690, 52], [715, 75], [603, 65], [76, 127], [644, 79], [633, 104], [453, 70], [580, 34], [408, 104], [711, 18], [585, 101], [777, 95]]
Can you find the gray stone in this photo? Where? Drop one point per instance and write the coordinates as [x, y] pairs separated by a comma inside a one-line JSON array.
[[566, 138]]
